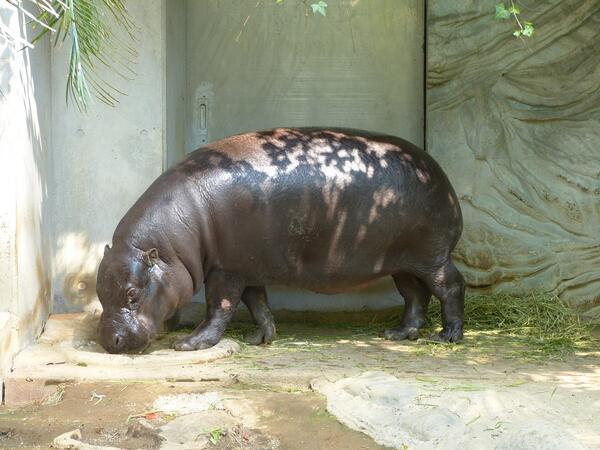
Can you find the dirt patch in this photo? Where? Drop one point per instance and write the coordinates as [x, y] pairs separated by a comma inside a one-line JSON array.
[[293, 420], [104, 423]]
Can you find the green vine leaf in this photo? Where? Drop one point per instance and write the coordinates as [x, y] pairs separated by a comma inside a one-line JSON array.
[[319, 7], [528, 29], [501, 11], [524, 29], [514, 9]]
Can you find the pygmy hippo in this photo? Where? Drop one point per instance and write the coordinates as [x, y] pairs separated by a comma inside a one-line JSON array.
[[323, 209]]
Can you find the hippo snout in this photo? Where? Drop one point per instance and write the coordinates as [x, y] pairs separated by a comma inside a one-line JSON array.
[[115, 337]]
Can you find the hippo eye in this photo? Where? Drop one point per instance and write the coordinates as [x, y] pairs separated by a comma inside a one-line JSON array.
[[131, 295]]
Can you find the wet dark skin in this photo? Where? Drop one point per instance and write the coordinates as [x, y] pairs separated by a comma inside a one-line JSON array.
[[322, 209]]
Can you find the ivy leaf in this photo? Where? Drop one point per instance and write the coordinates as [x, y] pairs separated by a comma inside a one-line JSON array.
[[517, 33], [528, 29], [501, 11], [514, 9], [319, 7], [278, 1]]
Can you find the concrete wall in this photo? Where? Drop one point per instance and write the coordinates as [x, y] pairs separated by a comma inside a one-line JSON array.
[[517, 126], [25, 138], [105, 159], [176, 62]]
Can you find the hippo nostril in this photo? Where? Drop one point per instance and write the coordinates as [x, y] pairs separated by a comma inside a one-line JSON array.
[[117, 340]]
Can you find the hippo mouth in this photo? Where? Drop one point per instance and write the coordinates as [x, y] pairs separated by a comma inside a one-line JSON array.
[[144, 348]]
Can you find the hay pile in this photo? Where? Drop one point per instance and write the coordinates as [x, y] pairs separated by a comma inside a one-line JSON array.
[[542, 322]]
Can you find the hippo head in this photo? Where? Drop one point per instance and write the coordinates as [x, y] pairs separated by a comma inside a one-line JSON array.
[[138, 292]]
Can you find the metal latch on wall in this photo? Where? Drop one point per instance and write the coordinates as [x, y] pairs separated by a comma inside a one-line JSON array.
[[203, 120], [203, 99]]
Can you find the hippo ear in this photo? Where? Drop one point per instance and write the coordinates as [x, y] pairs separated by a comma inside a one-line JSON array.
[[150, 257], [106, 249]]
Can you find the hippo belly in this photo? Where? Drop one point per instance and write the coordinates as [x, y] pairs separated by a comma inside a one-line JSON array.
[[322, 209]]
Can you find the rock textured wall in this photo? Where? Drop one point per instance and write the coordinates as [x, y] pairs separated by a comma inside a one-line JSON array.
[[516, 124]]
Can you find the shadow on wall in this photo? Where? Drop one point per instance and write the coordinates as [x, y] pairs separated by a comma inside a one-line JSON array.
[[6, 54], [33, 210], [24, 142], [76, 262]]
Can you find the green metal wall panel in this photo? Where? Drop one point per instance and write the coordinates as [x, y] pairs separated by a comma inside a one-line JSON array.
[[254, 65]]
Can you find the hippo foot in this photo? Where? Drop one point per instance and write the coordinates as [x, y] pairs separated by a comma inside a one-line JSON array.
[[189, 343], [402, 332], [262, 335], [450, 333]]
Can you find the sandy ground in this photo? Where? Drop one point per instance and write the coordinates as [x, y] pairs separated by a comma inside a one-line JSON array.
[[275, 382]]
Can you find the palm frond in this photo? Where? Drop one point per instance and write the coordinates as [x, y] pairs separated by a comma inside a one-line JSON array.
[[89, 25]]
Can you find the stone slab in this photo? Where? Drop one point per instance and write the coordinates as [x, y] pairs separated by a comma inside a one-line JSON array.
[[411, 414], [67, 352]]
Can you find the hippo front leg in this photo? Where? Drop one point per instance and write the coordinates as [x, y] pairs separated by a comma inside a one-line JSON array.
[[223, 295]]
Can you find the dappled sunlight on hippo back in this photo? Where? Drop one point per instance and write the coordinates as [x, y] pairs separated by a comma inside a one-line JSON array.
[[311, 179]]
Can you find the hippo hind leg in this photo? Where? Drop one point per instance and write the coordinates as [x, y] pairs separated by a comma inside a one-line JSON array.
[[448, 285], [416, 301], [255, 298]]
